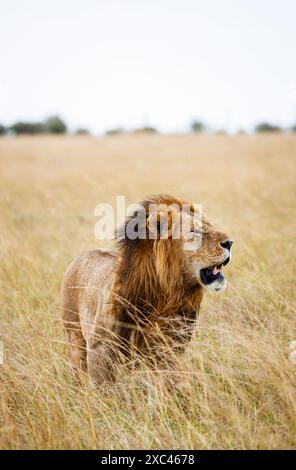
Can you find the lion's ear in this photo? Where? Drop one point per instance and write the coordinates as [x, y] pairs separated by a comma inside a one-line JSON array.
[[160, 224]]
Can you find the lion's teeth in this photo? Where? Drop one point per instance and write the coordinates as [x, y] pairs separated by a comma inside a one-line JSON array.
[[215, 270]]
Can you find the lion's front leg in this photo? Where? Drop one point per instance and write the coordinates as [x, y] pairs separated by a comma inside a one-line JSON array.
[[100, 365]]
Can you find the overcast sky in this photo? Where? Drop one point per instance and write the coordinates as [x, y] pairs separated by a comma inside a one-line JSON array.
[[109, 63]]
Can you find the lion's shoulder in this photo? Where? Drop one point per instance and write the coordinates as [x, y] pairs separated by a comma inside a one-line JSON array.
[[95, 256], [100, 252], [91, 266]]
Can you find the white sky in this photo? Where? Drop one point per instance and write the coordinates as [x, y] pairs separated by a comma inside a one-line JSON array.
[[108, 63]]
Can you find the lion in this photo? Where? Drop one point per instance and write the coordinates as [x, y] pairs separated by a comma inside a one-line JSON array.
[[113, 302]]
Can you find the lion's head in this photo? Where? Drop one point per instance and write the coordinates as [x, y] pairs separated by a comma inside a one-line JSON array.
[[206, 262], [174, 238]]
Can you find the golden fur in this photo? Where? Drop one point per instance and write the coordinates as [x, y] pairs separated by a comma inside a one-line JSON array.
[[145, 295]]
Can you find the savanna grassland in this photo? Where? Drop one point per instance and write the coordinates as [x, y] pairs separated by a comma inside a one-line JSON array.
[[239, 386]]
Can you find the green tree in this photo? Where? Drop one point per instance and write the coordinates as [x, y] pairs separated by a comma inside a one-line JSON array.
[[115, 131], [55, 125], [267, 127], [197, 126], [2, 130], [82, 131], [21, 127], [146, 130]]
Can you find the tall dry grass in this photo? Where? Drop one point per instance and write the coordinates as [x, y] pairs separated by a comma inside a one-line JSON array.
[[238, 388]]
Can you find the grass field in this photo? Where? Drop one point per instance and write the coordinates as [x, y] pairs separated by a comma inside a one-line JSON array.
[[239, 386]]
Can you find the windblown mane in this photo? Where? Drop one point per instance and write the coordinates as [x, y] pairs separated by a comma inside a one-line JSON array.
[[150, 283]]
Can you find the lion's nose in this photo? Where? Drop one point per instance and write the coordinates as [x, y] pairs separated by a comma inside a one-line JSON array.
[[227, 244]]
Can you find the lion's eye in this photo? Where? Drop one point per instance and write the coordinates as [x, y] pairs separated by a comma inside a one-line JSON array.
[[196, 233]]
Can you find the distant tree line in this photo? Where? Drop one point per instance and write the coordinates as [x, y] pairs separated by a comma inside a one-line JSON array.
[[137, 130], [52, 125], [262, 127], [267, 127], [56, 125]]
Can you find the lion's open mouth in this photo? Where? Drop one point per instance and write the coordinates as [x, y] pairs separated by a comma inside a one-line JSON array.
[[213, 273]]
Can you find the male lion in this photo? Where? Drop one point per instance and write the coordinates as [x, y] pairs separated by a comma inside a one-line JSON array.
[[145, 295]]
